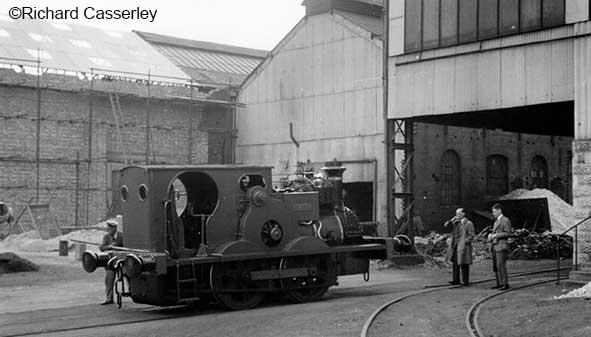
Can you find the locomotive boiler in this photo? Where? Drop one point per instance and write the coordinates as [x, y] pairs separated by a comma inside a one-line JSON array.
[[222, 233]]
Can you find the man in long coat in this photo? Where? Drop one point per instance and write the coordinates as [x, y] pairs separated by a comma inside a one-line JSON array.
[[460, 250]]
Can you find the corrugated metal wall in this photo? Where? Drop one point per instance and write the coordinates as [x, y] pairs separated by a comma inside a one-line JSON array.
[[325, 79], [500, 73]]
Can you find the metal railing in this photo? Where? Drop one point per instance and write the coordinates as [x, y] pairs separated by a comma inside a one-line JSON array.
[[575, 247]]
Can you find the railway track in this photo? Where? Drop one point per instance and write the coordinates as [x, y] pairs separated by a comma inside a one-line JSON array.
[[472, 313], [180, 312], [174, 315]]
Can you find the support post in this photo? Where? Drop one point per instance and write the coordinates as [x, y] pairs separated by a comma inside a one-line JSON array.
[[403, 171]]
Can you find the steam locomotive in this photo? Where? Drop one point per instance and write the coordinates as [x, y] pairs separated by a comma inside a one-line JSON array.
[[221, 232]]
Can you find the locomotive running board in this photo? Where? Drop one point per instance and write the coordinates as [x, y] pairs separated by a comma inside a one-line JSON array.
[[217, 258]]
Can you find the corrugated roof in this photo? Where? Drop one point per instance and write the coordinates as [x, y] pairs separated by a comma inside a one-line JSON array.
[[80, 48], [373, 2], [203, 45], [206, 61], [370, 23]]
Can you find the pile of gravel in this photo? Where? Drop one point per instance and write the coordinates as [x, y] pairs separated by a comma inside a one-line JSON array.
[[583, 292], [562, 214]]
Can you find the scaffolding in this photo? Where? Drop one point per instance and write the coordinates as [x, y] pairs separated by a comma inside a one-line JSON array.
[[104, 91]]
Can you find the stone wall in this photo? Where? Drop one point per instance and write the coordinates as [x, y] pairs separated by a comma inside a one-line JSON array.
[[582, 198]]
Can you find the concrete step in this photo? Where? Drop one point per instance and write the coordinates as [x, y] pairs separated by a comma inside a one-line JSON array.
[[579, 276]]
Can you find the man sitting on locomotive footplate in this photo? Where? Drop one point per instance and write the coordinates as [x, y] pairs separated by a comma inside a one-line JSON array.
[[113, 238]]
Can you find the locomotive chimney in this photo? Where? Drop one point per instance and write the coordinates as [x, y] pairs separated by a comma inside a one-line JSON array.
[[333, 170]]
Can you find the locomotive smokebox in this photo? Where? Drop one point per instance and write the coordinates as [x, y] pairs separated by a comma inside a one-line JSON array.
[[333, 170]]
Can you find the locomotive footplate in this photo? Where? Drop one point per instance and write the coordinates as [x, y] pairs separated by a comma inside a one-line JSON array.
[[377, 248], [282, 273]]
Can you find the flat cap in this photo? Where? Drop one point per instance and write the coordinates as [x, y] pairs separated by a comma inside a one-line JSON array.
[[112, 223]]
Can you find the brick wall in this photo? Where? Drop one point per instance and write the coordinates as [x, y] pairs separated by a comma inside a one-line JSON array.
[[175, 134], [473, 146]]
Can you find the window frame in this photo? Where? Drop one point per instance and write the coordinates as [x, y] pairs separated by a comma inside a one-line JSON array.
[[493, 179], [450, 189], [445, 26]]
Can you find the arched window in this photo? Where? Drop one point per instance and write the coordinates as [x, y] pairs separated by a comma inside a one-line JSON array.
[[497, 177], [450, 178], [539, 172]]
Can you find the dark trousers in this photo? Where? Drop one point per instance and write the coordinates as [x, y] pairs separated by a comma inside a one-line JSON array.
[[465, 268], [500, 266], [109, 283]]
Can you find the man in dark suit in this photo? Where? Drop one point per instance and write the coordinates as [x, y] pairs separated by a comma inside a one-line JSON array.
[[460, 250], [499, 246]]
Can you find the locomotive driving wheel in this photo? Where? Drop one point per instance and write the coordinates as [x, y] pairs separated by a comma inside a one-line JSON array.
[[312, 287], [232, 286]]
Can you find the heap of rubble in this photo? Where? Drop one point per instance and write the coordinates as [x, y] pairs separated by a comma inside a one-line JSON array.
[[433, 244], [530, 245]]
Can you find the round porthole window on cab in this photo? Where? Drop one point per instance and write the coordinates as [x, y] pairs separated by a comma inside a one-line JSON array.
[[143, 192]]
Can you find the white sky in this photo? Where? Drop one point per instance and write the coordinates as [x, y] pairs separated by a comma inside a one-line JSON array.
[[259, 24]]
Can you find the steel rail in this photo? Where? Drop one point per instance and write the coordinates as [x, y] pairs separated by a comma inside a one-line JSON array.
[[176, 316], [432, 288], [512, 275], [94, 326], [472, 314]]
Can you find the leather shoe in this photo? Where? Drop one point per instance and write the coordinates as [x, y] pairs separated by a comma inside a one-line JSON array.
[[107, 302], [466, 284], [454, 283], [504, 287], [496, 287]]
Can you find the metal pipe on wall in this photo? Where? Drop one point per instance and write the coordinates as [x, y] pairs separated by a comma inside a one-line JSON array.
[[89, 160], [148, 123], [191, 107], [77, 186], [38, 138], [387, 135]]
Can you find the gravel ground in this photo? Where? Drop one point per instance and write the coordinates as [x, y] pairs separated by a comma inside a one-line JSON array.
[[62, 289]]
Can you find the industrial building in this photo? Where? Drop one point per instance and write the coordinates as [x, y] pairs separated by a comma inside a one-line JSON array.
[[319, 96], [79, 102], [520, 66]]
